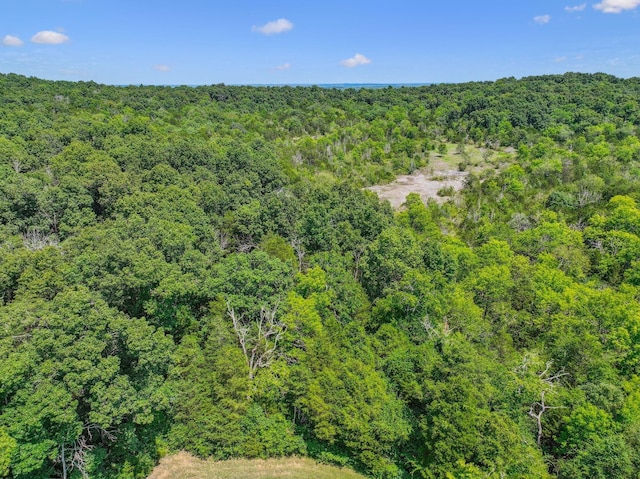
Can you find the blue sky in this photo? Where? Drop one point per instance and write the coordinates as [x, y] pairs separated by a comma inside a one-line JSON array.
[[288, 42]]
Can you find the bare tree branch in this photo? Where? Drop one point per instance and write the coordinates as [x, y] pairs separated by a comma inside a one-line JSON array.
[[549, 381], [259, 338], [536, 411]]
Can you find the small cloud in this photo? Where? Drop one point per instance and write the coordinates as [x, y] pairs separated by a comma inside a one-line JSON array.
[[560, 59], [355, 61], [49, 37], [162, 67], [616, 6], [575, 8], [542, 19], [11, 41], [280, 25], [284, 66]]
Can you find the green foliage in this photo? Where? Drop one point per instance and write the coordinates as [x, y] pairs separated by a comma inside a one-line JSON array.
[[8, 445], [278, 247], [210, 394], [67, 389], [388, 258], [200, 269], [268, 436], [610, 457]]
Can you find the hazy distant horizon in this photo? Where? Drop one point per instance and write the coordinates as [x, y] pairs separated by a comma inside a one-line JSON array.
[[342, 86]]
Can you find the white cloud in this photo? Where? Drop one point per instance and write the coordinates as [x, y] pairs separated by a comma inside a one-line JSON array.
[[280, 25], [284, 66], [356, 60], [542, 19], [560, 59], [48, 37], [616, 6], [162, 67], [576, 8], [11, 41]]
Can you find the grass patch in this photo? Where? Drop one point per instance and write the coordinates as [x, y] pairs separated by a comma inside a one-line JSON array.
[[185, 466]]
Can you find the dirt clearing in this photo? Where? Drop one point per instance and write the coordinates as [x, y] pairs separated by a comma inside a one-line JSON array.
[[443, 172], [425, 183]]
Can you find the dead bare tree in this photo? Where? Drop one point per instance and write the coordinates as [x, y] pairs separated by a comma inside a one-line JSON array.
[[64, 461], [536, 411], [222, 237], [587, 196], [246, 244], [538, 408], [36, 240], [546, 377], [258, 338], [435, 331], [79, 456], [75, 457], [296, 244], [358, 252]]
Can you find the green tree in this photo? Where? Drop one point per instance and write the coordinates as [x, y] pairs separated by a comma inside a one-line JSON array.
[[79, 379]]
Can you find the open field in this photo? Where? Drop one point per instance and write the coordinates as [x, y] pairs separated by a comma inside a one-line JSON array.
[[185, 466]]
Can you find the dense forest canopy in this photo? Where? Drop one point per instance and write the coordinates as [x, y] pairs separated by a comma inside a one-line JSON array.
[[200, 268]]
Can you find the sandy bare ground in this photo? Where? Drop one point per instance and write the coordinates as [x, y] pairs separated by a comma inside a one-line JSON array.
[[424, 182]]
